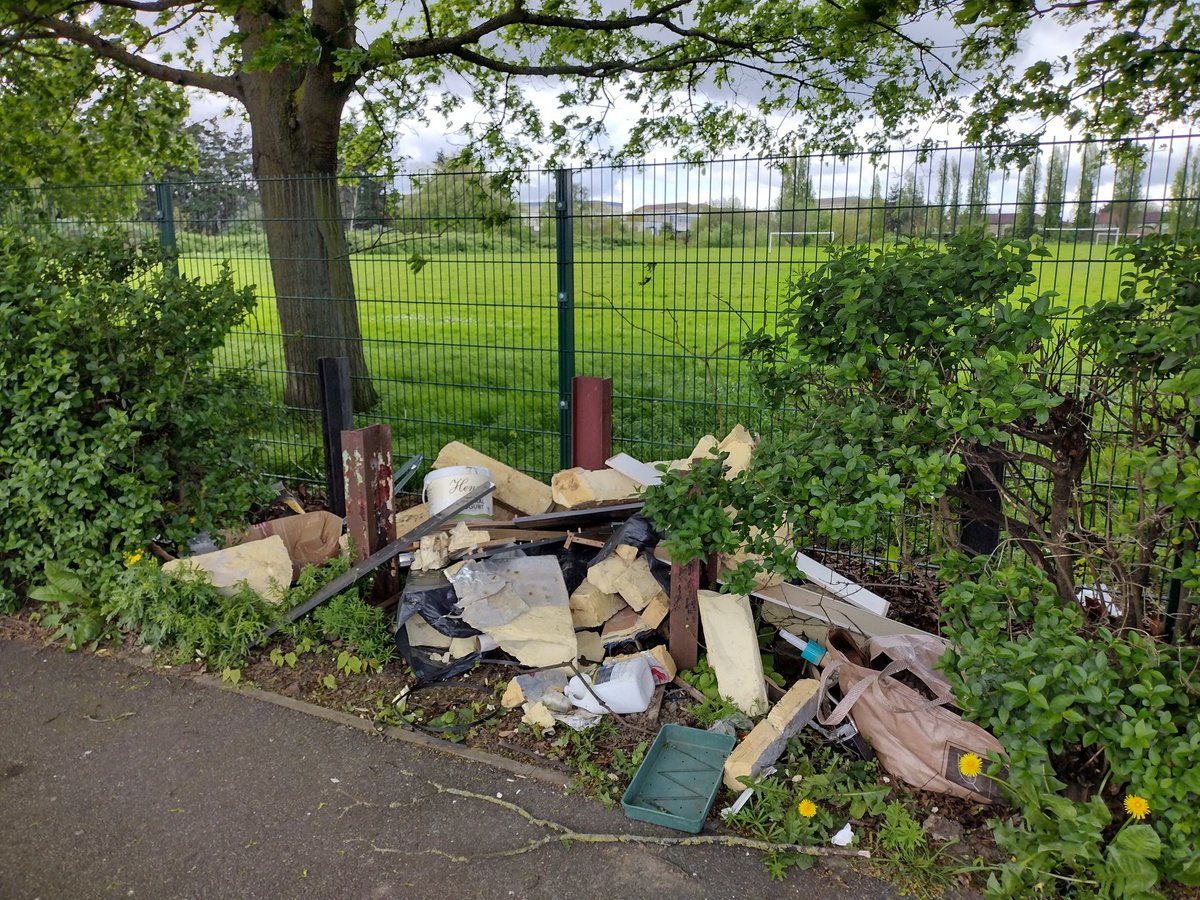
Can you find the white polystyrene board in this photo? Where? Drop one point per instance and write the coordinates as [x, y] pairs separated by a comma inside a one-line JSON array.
[[841, 586], [634, 469]]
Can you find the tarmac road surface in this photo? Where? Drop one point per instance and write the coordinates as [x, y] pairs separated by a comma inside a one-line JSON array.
[[117, 781]]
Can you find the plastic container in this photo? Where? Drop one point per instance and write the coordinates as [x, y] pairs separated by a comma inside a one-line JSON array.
[[809, 650], [444, 486], [626, 687], [678, 780]]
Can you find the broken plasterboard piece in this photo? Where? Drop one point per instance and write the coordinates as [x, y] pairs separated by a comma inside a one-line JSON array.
[[591, 646], [513, 488], [592, 607], [634, 469], [432, 552], [791, 606], [264, 566], [522, 604], [466, 538], [631, 578], [533, 686], [422, 634], [733, 650], [572, 488], [739, 444], [624, 626], [766, 743], [841, 586]]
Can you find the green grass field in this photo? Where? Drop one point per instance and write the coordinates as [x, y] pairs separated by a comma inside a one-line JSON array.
[[467, 347]]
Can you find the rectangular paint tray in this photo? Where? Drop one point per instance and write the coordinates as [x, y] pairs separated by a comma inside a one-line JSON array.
[[678, 780]]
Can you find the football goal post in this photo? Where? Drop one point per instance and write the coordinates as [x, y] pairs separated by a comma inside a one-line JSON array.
[[1104, 234]]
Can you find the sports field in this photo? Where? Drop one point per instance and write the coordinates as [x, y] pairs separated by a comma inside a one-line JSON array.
[[467, 345]]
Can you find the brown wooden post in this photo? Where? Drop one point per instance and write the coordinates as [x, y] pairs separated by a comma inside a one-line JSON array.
[[685, 614], [591, 422], [370, 501]]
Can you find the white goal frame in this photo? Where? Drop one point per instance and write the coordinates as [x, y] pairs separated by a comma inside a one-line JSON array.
[[1105, 231], [827, 233]]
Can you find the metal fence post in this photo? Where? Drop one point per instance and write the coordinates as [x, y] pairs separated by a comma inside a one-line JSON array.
[[565, 259], [164, 205]]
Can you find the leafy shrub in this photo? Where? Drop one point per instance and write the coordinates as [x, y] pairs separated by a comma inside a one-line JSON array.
[[1024, 667], [366, 628], [115, 424], [893, 374], [185, 614]]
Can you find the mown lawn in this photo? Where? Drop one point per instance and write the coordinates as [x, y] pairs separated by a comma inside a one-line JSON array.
[[465, 345]]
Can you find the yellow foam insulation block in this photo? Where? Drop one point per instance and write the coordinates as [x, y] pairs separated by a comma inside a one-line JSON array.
[[733, 650], [514, 488]]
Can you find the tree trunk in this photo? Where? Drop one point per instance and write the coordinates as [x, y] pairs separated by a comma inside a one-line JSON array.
[[295, 117]]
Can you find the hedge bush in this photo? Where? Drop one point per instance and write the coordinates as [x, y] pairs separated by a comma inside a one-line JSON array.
[[115, 425]]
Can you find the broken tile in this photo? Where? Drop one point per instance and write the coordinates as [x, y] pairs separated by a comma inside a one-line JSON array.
[[624, 626], [733, 652]]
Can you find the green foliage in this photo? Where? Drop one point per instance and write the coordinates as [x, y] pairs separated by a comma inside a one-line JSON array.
[[184, 615], [69, 119], [116, 426], [363, 628], [838, 788], [890, 373], [583, 751], [1025, 668], [77, 618]]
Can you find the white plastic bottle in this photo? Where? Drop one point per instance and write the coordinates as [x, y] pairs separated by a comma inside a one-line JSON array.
[[626, 687]]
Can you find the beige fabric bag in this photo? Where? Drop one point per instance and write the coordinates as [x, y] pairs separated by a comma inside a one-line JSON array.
[[917, 739]]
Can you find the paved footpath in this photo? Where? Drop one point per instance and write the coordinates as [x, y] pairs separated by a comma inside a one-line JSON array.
[[116, 781]]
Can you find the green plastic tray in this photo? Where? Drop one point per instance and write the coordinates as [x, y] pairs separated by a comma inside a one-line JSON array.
[[678, 780]]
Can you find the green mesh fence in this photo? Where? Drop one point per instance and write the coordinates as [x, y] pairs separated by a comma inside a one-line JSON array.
[[478, 293]]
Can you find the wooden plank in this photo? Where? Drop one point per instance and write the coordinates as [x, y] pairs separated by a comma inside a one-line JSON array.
[[685, 614], [337, 415], [841, 586], [825, 611], [591, 421], [371, 499]]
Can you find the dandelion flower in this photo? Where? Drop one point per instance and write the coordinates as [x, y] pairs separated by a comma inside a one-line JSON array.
[[970, 765], [1136, 806], [133, 558], [808, 809]]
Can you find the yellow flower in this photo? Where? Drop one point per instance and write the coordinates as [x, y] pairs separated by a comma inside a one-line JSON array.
[[133, 558], [807, 808], [1136, 806], [970, 765]]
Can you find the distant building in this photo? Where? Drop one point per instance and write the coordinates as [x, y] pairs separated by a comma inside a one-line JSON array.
[[674, 218], [1144, 218]]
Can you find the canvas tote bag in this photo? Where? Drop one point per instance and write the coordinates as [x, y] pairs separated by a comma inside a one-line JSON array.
[[918, 739]]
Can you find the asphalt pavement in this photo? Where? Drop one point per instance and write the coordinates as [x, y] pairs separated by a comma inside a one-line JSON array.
[[119, 781]]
